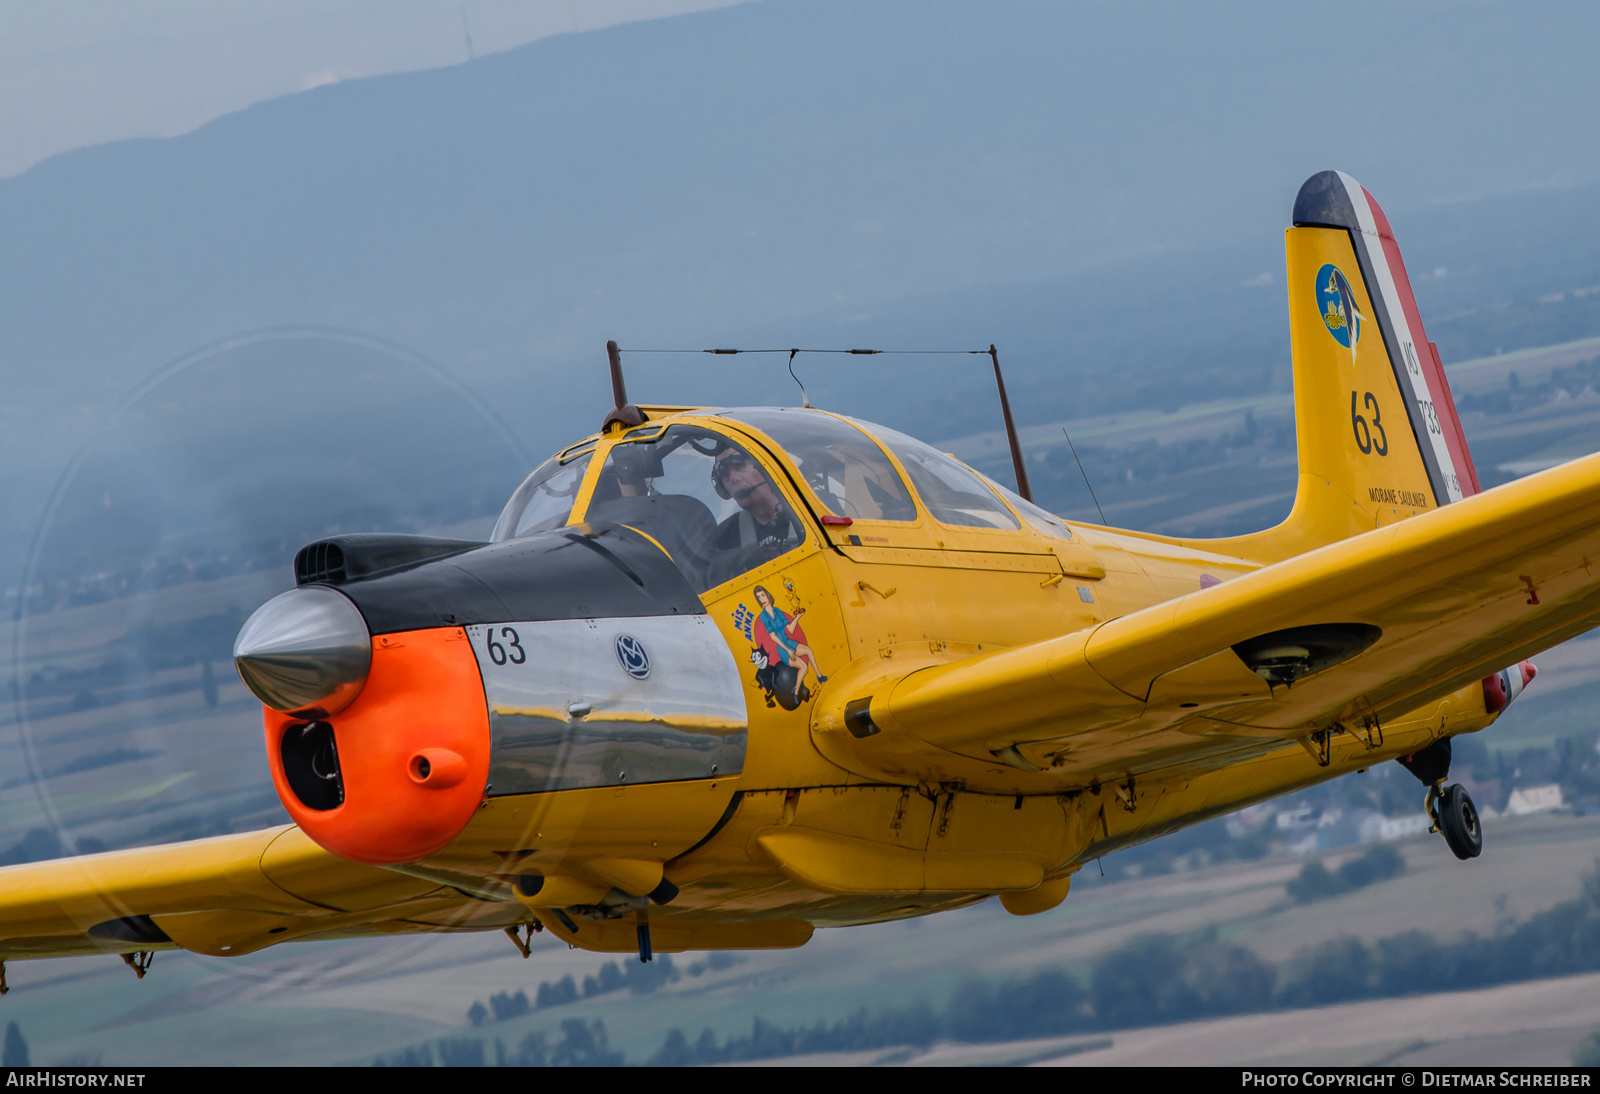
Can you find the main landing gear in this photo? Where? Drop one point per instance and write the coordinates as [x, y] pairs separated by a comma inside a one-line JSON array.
[[1450, 808], [1456, 818]]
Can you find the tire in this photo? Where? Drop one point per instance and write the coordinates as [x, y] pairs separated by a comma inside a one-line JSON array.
[[1458, 820]]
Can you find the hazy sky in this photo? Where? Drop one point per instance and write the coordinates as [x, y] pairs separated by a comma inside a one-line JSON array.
[[79, 72]]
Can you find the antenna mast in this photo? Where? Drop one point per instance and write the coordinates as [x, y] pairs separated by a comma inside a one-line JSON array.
[[625, 413], [1011, 430]]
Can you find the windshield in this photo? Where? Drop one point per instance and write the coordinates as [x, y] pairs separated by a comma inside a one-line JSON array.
[[544, 500], [849, 473], [704, 498]]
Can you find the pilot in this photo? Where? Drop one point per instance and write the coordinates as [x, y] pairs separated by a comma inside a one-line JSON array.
[[763, 519]]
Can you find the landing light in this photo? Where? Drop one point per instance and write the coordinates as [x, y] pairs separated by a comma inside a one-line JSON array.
[[1282, 657]]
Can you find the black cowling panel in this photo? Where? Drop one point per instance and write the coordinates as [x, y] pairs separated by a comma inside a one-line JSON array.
[[581, 572]]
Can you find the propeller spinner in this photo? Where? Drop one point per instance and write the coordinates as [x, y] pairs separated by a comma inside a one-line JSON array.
[[305, 652]]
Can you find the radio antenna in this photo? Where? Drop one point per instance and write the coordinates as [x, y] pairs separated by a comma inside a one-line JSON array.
[[1011, 429], [624, 413], [1085, 475]]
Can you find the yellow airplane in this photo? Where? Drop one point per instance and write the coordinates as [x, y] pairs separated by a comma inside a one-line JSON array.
[[723, 676]]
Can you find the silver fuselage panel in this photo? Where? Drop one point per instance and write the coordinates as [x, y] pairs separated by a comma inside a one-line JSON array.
[[577, 703]]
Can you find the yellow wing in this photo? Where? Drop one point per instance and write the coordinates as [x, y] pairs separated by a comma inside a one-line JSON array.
[[1452, 595], [225, 896]]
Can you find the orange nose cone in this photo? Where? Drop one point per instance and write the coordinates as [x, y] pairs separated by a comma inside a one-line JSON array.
[[408, 760]]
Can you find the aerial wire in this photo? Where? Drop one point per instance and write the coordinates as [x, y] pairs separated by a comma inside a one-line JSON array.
[[1018, 465]]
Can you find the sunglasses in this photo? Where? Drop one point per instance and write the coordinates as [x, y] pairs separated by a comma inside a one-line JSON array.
[[736, 462]]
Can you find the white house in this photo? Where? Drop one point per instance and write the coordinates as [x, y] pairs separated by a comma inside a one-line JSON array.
[[1534, 799]]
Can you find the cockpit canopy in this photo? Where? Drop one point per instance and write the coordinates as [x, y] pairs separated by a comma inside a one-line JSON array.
[[719, 503]]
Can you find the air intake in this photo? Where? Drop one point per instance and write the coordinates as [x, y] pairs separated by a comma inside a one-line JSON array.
[[319, 563], [311, 765], [339, 559]]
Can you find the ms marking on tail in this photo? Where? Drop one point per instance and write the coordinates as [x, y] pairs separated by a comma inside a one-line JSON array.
[[612, 721]]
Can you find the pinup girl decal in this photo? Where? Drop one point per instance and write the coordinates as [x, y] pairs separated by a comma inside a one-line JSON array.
[[781, 656]]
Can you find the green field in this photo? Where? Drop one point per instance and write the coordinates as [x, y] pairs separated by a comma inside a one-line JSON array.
[[328, 1003]]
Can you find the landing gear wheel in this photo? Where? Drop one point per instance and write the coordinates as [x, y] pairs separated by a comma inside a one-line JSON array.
[[1458, 821]]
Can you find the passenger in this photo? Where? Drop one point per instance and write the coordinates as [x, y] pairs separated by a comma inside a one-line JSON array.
[[763, 520], [635, 466]]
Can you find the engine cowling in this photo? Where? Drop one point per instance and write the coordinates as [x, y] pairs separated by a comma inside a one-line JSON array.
[[377, 724], [378, 747], [396, 775]]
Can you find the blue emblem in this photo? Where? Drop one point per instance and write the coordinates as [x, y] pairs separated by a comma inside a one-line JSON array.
[[631, 656], [1337, 306]]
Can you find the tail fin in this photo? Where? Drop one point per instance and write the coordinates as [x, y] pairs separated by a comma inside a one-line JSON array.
[[1379, 436]]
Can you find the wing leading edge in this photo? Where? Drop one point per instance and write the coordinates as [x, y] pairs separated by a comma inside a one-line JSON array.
[[225, 896]]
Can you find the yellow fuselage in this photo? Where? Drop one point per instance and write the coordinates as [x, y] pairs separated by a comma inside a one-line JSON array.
[[824, 828]]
